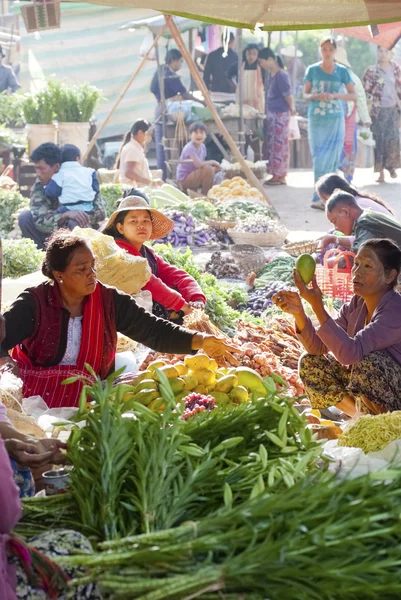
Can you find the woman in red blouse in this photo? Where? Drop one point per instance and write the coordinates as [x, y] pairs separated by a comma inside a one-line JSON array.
[[172, 289]]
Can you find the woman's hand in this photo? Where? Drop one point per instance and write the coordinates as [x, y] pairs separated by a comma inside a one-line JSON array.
[[198, 304], [289, 302], [27, 454], [312, 295], [325, 96], [326, 240], [215, 347]]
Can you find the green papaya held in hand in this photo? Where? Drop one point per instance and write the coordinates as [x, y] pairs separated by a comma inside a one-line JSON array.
[[306, 267]]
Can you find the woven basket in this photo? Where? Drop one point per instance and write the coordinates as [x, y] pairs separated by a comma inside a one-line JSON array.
[[249, 258], [303, 247], [221, 224], [271, 238]]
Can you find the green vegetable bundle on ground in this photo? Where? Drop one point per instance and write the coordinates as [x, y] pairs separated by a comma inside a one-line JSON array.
[[279, 269], [20, 257], [10, 204], [322, 539], [151, 471]]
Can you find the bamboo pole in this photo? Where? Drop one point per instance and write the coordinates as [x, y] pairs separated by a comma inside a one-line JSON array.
[[222, 128], [121, 96]]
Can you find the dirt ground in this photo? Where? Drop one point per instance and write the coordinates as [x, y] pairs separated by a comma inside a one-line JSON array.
[[293, 201]]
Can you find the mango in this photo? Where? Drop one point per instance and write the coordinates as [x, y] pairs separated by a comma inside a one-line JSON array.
[[239, 394], [250, 380], [306, 266], [220, 397], [205, 377], [197, 362], [145, 384], [190, 382], [226, 384], [169, 370], [148, 374], [156, 364], [201, 389], [157, 405], [177, 385], [145, 396], [181, 368], [213, 366]]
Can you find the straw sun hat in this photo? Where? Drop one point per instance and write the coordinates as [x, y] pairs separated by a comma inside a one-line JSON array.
[[161, 225]]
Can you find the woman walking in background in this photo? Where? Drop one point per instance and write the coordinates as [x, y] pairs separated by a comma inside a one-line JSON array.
[[279, 107], [326, 129], [382, 83], [355, 112]]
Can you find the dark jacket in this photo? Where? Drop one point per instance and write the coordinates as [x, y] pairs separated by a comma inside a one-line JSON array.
[[216, 71], [130, 319]]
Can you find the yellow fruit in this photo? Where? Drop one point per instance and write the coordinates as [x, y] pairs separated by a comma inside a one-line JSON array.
[[141, 376], [213, 366], [220, 397], [201, 389], [181, 368], [169, 370], [156, 364], [197, 362], [250, 380], [239, 394], [226, 384], [190, 382], [177, 385], [145, 384], [157, 405], [205, 377], [316, 412], [145, 396]]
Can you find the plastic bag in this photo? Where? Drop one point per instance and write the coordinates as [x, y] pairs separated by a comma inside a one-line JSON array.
[[353, 462], [293, 129], [115, 266]]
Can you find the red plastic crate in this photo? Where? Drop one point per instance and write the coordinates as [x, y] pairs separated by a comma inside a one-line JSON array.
[[333, 279]]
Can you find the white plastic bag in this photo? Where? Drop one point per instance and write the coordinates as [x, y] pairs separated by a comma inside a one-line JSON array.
[[293, 129]]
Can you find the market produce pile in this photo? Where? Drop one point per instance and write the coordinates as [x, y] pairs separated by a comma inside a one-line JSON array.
[[372, 433], [229, 501], [164, 452]]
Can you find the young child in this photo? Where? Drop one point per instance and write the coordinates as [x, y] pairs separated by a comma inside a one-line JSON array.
[[196, 171], [75, 186]]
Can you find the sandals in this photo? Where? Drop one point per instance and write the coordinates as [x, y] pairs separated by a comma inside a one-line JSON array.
[[275, 182], [318, 205]]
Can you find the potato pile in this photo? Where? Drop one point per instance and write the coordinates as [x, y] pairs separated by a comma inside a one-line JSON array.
[[234, 188]]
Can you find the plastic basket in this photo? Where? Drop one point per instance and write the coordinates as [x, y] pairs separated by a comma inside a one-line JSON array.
[[333, 279], [249, 258]]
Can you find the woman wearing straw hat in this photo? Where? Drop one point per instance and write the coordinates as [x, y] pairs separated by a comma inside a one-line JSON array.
[[355, 112], [172, 289]]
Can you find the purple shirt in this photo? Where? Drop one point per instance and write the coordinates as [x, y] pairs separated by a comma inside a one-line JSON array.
[[10, 514], [190, 150], [279, 87], [348, 338], [366, 203]]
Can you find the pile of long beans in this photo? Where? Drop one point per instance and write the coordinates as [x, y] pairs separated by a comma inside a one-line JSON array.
[[322, 539]]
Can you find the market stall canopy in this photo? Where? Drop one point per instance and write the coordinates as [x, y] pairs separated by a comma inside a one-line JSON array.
[[386, 35], [156, 24], [274, 14]]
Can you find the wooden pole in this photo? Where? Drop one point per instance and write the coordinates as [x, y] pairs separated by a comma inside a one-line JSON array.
[[121, 96], [222, 128], [241, 90]]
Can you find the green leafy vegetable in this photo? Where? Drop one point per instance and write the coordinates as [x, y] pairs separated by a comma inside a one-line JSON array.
[[20, 257]]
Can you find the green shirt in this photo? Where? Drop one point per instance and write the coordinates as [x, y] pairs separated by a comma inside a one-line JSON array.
[[372, 225]]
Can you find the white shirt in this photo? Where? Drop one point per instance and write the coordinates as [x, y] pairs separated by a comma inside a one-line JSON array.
[[134, 152], [74, 337]]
